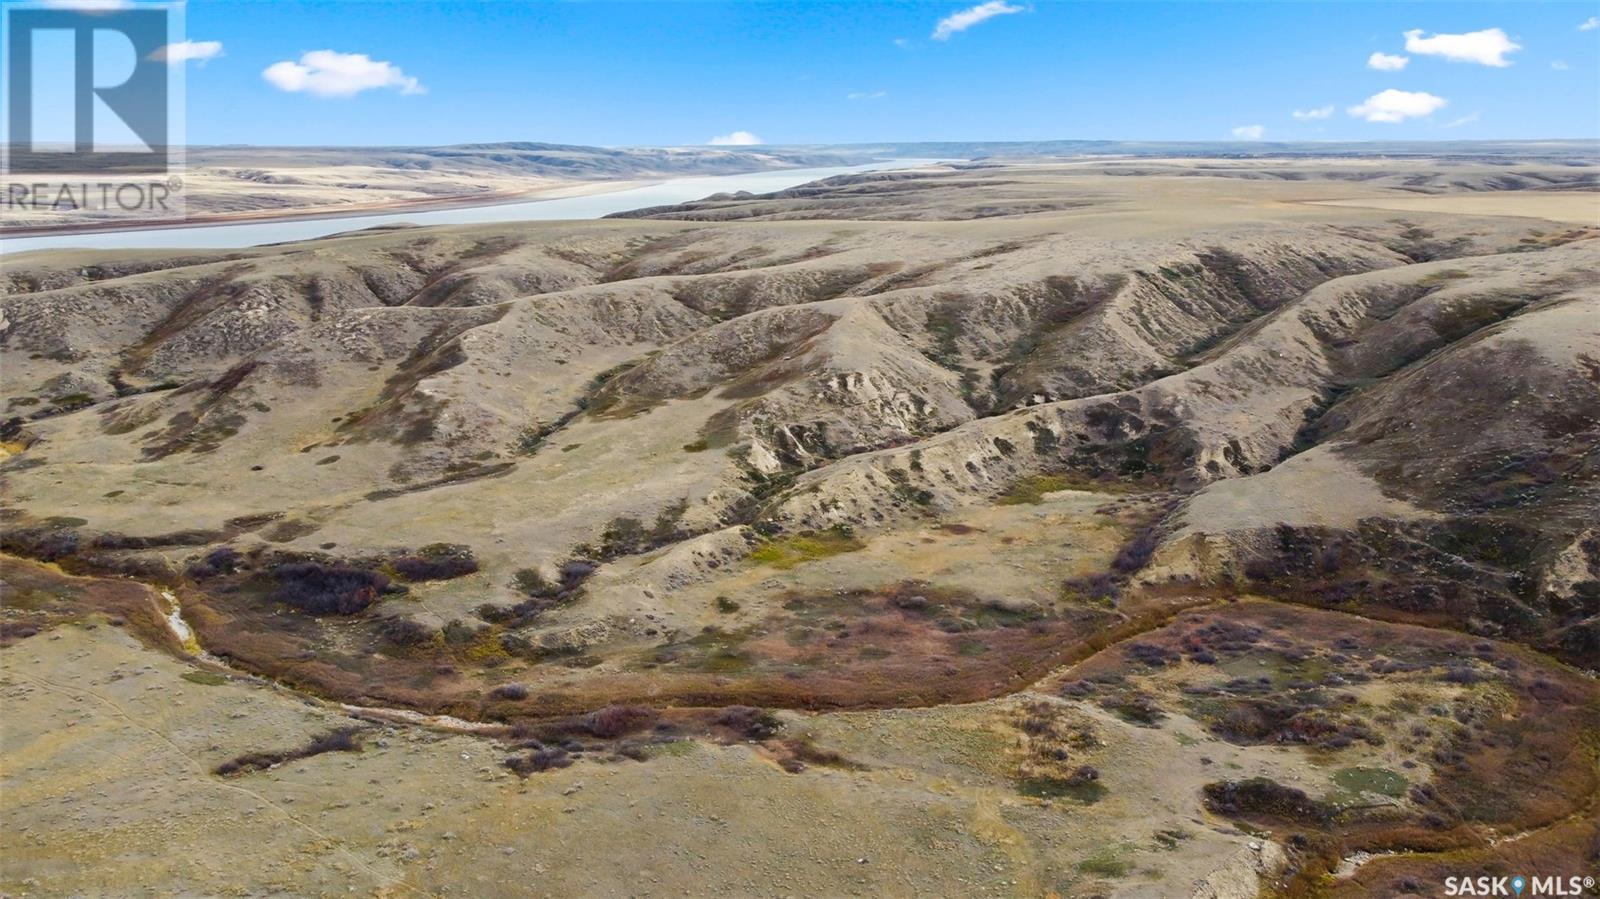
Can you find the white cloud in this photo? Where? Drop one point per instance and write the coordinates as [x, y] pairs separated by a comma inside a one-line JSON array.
[[1387, 62], [736, 139], [179, 53], [901, 42], [1249, 132], [1396, 106], [866, 95], [1590, 24], [1560, 65], [328, 73], [88, 5], [1320, 112], [1467, 119], [1487, 47], [958, 22]]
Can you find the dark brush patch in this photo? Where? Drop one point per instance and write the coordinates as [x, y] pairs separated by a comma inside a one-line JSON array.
[[345, 739]]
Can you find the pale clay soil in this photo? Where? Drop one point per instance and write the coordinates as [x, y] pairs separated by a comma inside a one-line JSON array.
[[108, 754]]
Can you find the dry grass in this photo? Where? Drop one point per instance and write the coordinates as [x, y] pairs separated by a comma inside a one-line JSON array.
[[36, 597], [1510, 738]]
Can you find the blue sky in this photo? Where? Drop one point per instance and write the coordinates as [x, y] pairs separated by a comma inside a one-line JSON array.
[[668, 73]]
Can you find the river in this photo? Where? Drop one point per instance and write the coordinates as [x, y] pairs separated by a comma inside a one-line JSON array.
[[592, 206]]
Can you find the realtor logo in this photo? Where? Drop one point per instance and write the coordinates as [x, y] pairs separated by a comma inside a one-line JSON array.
[[88, 90]]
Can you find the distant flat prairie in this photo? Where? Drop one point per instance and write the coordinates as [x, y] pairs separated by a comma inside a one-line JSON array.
[[1580, 207]]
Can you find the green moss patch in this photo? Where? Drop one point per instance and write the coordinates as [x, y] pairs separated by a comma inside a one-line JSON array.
[[1111, 861], [787, 552], [1088, 792], [1381, 781], [1031, 490]]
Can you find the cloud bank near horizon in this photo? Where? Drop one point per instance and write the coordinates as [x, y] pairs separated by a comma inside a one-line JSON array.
[[735, 139]]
